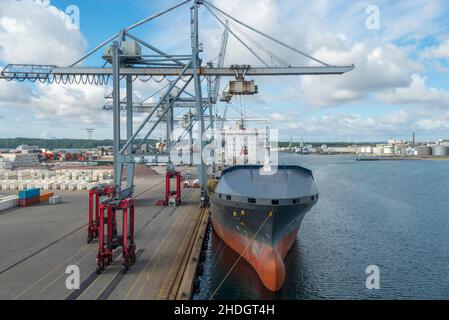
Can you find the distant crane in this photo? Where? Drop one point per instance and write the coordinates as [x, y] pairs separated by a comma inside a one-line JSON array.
[[90, 132]]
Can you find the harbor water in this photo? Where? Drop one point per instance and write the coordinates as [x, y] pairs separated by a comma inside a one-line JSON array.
[[390, 214]]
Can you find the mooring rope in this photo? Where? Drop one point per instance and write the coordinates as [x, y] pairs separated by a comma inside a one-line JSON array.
[[240, 257]]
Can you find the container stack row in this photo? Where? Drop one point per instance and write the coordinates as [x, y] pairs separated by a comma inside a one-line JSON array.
[[17, 160], [70, 180], [8, 202], [29, 197]]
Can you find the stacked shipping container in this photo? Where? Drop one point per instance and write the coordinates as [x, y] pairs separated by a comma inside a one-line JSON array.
[[29, 197]]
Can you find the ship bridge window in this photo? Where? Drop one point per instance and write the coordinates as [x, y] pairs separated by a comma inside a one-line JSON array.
[[295, 201], [275, 202], [229, 198], [313, 198], [253, 201], [220, 196]]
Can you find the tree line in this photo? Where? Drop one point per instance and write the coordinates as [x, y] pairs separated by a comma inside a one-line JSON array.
[[13, 143]]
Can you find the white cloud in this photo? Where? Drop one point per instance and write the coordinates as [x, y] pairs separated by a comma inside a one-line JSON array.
[[12, 92], [379, 63], [377, 68], [440, 51], [60, 104], [32, 33], [438, 121], [410, 20], [79, 103], [333, 31], [338, 126], [346, 126], [417, 93], [278, 117]]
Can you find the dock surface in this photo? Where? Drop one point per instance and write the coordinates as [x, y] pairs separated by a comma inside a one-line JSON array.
[[40, 242]]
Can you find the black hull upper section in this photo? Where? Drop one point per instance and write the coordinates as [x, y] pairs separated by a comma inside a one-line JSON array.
[[266, 207], [263, 223]]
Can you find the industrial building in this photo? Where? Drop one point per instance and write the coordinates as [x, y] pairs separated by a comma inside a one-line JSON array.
[[401, 148]]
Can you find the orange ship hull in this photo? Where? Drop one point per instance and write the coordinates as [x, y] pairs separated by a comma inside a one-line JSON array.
[[259, 215], [267, 261]]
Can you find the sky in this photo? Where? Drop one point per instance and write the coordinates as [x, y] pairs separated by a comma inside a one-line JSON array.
[[400, 50]]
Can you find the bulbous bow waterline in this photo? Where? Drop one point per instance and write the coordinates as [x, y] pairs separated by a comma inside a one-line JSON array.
[[267, 261]]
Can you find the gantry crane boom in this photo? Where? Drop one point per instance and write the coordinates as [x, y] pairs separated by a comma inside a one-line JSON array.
[[17, 74]]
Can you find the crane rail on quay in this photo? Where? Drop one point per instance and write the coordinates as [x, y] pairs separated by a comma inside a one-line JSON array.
[[125, 61]]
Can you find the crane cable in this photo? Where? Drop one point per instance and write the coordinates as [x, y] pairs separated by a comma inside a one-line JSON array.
[[165, 27], [260, 46], [254, 42]]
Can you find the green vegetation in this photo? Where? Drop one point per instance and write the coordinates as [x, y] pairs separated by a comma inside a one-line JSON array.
[[91, 144], [56, 143]]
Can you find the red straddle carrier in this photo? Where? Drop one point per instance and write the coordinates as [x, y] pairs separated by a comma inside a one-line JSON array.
[[169, 194], [109, 240], [94, 204]]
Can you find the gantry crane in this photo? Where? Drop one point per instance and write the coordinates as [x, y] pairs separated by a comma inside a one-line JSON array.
[[126, 62]]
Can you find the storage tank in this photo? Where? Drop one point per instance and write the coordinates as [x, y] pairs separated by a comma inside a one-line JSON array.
[[369, 150], [424, 151], [388, 150], [377, 150], [399, 149], [440, 151]]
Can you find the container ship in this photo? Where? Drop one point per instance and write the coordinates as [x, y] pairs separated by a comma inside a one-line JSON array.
[[258, 214]]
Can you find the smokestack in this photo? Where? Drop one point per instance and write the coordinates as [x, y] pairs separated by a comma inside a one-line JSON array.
[[414, 140]]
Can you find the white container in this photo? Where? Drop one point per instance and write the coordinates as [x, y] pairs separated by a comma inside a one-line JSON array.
[[9, 202], [5, 205], [55, 200], [172, 202], [91, 185], [49, 175], [82, 186], [388, 150], [14, 201]]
